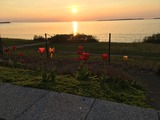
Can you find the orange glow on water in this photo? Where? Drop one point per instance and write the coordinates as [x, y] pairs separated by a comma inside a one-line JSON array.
[[75, 27]]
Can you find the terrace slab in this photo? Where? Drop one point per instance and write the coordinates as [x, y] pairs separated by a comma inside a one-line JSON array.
[[105, 110], [5, 86], [21, 103], [59, 106], [14, 100]]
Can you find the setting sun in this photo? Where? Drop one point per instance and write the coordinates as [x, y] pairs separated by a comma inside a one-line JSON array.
[[74, 10]]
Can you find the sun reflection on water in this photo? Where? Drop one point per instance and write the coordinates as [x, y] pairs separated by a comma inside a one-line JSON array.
[[75, 27]]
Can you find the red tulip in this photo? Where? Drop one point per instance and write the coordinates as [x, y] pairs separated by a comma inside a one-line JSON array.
[[9, 52], [104, 56], [14, 48], [80, 48], [85, 56], [41, 50], [20, 54], [79, 58], [80, 52], [6, 50], [22, 61]]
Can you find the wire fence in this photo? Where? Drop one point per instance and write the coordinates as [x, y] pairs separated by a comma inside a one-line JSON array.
[[136, 53]]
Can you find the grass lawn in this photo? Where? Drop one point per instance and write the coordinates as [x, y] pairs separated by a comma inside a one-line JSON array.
[[140, 54], [14, 41]]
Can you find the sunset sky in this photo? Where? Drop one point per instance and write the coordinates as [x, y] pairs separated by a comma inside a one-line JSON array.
[[77, 10]]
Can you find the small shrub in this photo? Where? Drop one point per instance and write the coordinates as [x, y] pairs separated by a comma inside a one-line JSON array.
[[38, 38], [155, 38], [72, 39]]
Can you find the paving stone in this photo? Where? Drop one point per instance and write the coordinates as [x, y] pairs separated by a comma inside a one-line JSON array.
[[2, 119], [14, 100], [21, 103], [105, 110], [5, 86], [59, 106]]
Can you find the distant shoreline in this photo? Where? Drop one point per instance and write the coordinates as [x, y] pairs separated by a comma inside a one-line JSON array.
[[122, 19], [5, 22], [157, 18]]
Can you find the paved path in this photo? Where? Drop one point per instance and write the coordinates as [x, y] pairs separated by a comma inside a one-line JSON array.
[[22, 103]]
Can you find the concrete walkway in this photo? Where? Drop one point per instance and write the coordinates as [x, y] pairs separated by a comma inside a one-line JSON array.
[[22, 103]]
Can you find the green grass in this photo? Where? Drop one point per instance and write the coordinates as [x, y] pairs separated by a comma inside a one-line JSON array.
[[14, 41], [140, 49], [140, 54], [133, 49], [131, 94]]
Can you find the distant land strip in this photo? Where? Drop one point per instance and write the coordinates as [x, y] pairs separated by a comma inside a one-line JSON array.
[[157, 18], [4, 22], [122, 19]]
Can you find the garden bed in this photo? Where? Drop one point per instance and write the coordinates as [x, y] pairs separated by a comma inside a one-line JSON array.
[[118, 88], [99, 79]]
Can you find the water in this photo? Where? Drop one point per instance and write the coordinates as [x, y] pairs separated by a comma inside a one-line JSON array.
[[122, 31]]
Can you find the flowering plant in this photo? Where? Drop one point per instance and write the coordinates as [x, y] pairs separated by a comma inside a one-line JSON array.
[[13, 58], [83, 73], [20, 54], [51, 51], [80, 50], [125, 58], [14, 48], [84, 56], [41, 50], [104, 56], [46, 74]]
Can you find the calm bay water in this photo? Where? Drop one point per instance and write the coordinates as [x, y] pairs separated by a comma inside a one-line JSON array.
[[122, 31]]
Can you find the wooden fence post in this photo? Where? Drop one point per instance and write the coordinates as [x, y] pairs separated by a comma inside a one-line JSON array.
[[1, 46], [46, 45], [109, 48]]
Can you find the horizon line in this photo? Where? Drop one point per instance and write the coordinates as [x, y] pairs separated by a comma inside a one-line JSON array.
[[114, 19]]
